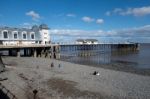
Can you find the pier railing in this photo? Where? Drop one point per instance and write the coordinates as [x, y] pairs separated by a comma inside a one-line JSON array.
[[26, 46]]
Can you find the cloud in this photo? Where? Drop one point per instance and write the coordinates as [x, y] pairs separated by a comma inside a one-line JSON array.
[[71, 15], [117, 10], [73, 33], [35, 16], [87, 19], [26, 24], [99, 21], [108, 13], [138, 34], [141, 11]]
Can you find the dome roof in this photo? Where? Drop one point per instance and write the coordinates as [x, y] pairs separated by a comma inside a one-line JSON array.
[[43, 26], [35, 27]]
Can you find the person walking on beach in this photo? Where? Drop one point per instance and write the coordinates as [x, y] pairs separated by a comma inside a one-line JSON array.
[[52, 65], [59, 65]]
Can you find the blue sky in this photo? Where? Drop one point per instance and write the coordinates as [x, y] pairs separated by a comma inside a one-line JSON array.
[[106, 20]]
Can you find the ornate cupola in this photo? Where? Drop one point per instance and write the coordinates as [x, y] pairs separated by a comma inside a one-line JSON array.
[[44, 32]]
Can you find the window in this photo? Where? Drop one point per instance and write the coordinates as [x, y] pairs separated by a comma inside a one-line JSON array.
[[5, 34], [32, 36], [24, 36], [15, 36]]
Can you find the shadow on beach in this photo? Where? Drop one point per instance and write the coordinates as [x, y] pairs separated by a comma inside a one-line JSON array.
[[3, 95], [68, 89]]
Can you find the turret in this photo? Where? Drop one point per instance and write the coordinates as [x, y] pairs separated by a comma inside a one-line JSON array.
[[44, 32]]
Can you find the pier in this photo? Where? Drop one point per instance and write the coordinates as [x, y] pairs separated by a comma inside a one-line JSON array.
[[56, 51], [32, 50], [84, 50]]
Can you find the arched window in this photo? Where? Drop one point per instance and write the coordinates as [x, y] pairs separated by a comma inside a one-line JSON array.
[[5, 34], [32, 35], [15, 35], [24, 35]]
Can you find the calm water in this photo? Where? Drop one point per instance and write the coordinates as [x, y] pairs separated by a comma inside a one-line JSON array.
[[140, 59]]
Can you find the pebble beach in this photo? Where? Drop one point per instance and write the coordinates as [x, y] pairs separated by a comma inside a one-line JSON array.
[[70, 81]]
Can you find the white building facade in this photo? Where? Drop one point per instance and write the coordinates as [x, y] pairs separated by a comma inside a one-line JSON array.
[[24, 36]]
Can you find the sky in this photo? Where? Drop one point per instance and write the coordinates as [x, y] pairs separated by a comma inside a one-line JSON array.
[[68, 20]]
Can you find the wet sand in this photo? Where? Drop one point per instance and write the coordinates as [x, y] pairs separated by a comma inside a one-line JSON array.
[[71, 81]]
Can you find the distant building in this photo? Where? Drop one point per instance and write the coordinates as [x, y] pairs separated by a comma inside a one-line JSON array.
[[86, 41], [80, 41], [18, 36]]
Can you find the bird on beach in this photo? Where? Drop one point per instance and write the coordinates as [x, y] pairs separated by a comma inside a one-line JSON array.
[[96, 73]]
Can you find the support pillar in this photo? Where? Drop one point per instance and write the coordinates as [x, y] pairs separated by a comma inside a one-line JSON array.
[[57, 52], [30, 52], [35, 52], [52, 52], [25, 52], [10, 52], [18, 52], [39, 52], [48, 53], [42, 53], [58, 56]]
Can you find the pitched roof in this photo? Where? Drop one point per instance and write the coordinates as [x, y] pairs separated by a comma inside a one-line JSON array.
[[93, 40], [80, 40], [85, 40]]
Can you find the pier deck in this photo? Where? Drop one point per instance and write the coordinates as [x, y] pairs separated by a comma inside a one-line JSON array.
[[27, 46]]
